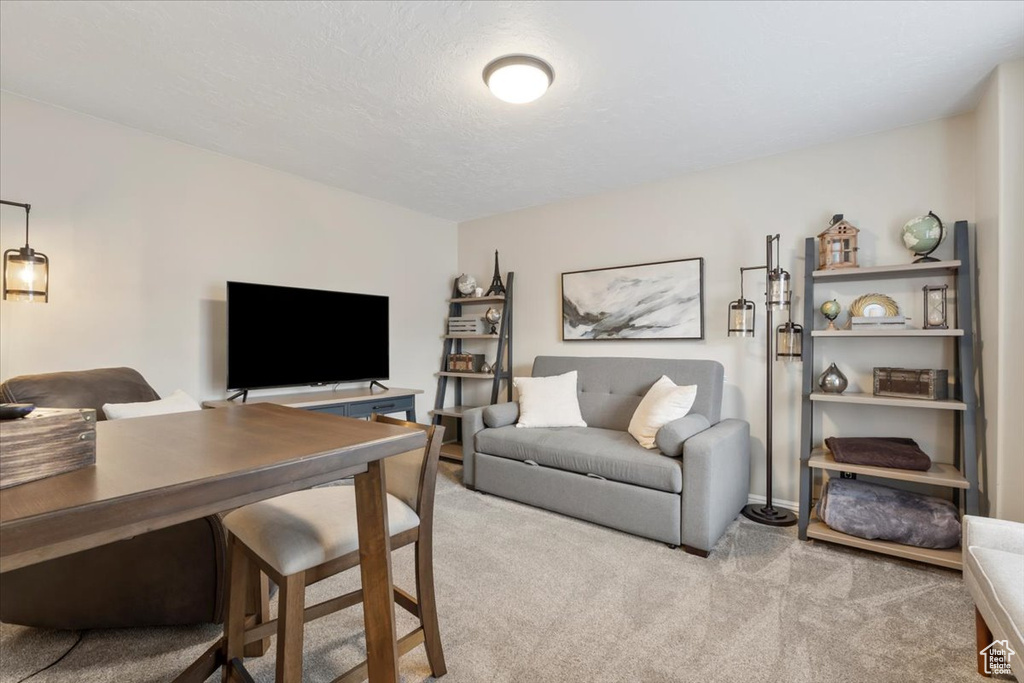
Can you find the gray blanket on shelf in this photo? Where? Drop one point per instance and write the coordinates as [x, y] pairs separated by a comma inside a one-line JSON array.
[[874, 511]]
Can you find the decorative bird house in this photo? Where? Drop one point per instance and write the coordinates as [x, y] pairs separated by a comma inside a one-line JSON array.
[[837, 245]]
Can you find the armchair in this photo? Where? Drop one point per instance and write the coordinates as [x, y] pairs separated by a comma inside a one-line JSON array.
[[993, 552], [164, 577]]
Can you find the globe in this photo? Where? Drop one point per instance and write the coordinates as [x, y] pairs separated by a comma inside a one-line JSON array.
[[923, 234], [493, 316], [466, 284], [830, 309]]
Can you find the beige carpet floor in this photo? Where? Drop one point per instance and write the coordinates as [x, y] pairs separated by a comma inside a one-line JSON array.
[[528, 595]]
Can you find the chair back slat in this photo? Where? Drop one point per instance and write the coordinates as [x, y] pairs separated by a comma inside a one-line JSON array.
[[412, 476]]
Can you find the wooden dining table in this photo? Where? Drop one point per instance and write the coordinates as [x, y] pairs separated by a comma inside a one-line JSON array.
[[154, 472]]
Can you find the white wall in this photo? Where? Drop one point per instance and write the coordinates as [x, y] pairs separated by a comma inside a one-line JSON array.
[[878, 182], [1000, 244], [143, 233]]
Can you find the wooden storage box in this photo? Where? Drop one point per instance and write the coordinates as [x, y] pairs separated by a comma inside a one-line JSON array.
[[48, 441], [465, 325], [465, 362], [904, 383]]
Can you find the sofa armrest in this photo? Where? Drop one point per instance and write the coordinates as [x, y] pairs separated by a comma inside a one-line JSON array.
[[472, 423], [501, 414], [671, 436], [716, 481], [997, 534]]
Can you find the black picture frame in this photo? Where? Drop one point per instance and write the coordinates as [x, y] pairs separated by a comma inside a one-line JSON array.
[[602, 307]]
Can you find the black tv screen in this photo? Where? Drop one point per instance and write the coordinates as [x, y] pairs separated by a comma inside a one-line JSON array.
[[287, 336]]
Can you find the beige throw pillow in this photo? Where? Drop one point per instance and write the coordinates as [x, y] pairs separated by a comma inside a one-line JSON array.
[[177, 402], [548, 401], [663, 403]]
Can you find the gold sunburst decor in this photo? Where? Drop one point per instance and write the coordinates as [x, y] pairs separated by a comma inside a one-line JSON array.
[[874, 305]]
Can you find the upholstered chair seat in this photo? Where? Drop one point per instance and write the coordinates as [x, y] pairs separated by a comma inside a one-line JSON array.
[[301, 530]]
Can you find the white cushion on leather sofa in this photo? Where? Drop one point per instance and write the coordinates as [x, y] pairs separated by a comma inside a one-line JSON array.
[[177, 402]]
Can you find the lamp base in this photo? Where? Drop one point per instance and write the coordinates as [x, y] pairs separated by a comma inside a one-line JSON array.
[[762, 514]]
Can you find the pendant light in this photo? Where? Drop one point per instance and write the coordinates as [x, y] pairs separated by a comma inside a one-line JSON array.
[[789, 340], [26, 271]]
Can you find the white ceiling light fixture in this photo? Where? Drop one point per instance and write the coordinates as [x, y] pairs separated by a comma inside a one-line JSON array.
[[518, 79]]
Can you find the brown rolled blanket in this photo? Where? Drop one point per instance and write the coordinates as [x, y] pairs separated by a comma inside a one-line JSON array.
[[895, 452]]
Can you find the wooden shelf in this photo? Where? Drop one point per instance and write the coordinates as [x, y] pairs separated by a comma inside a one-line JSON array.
[[467, 375], [478, 300], [887, 272], [472, 336], [452, 411], [452, 451], [870, 399], [950, 557], [939, 474], [887, 333]]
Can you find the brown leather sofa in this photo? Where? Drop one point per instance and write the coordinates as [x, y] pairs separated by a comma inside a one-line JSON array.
[[165, 577]]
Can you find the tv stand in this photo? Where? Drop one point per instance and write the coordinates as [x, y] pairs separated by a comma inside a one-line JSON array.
[[373, 382], [346, 402], [244, 393]]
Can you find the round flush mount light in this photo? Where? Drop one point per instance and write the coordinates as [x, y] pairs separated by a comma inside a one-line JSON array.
[[518, 79]]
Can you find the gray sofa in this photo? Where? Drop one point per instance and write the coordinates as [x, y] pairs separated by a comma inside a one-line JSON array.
[[599, 473]]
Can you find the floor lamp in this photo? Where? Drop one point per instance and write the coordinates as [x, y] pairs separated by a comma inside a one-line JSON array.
[[788, 346]]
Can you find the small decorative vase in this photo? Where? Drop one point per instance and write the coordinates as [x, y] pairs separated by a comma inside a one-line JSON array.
[[833, 381], [486, 368]]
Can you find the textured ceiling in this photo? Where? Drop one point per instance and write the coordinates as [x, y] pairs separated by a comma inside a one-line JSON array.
[[386, 99]]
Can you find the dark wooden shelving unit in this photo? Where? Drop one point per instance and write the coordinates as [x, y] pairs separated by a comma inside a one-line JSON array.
[[502, 367]]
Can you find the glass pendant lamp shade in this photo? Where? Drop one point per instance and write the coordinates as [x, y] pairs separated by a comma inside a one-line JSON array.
[[789, 338], [779, 290], [741, 318], [26, 271], [26, 275]]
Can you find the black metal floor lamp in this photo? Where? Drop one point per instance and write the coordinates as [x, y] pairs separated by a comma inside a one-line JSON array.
[[788, 346]]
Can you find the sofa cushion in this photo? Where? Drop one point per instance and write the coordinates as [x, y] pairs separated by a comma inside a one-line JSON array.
[[663, 403], [608, 453], [177, 402], [999, 575], [548, 401], [611, 388]]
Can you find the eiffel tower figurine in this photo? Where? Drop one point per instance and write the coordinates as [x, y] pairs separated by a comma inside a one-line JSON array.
[[497, 288]]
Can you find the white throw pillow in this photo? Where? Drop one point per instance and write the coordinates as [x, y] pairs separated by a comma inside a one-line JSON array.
[[548, 401], [663, 403], [177, 402]]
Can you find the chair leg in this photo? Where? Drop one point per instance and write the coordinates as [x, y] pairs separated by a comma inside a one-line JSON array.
[[428, 608], [982, 639], [291, 605], [234, 622], [258, 604]]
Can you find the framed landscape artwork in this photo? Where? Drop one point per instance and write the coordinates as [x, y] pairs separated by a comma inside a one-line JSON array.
[[649, 301]]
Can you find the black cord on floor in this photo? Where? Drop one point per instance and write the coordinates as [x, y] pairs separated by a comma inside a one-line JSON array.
[[56, 661]]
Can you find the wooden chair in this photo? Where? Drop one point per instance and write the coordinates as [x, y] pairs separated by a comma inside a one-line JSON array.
[[307, 536]]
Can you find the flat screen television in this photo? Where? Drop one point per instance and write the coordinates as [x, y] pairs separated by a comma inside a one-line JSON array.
[[288, 336]]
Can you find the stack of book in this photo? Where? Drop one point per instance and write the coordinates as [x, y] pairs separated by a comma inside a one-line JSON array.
[[859, 322]]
